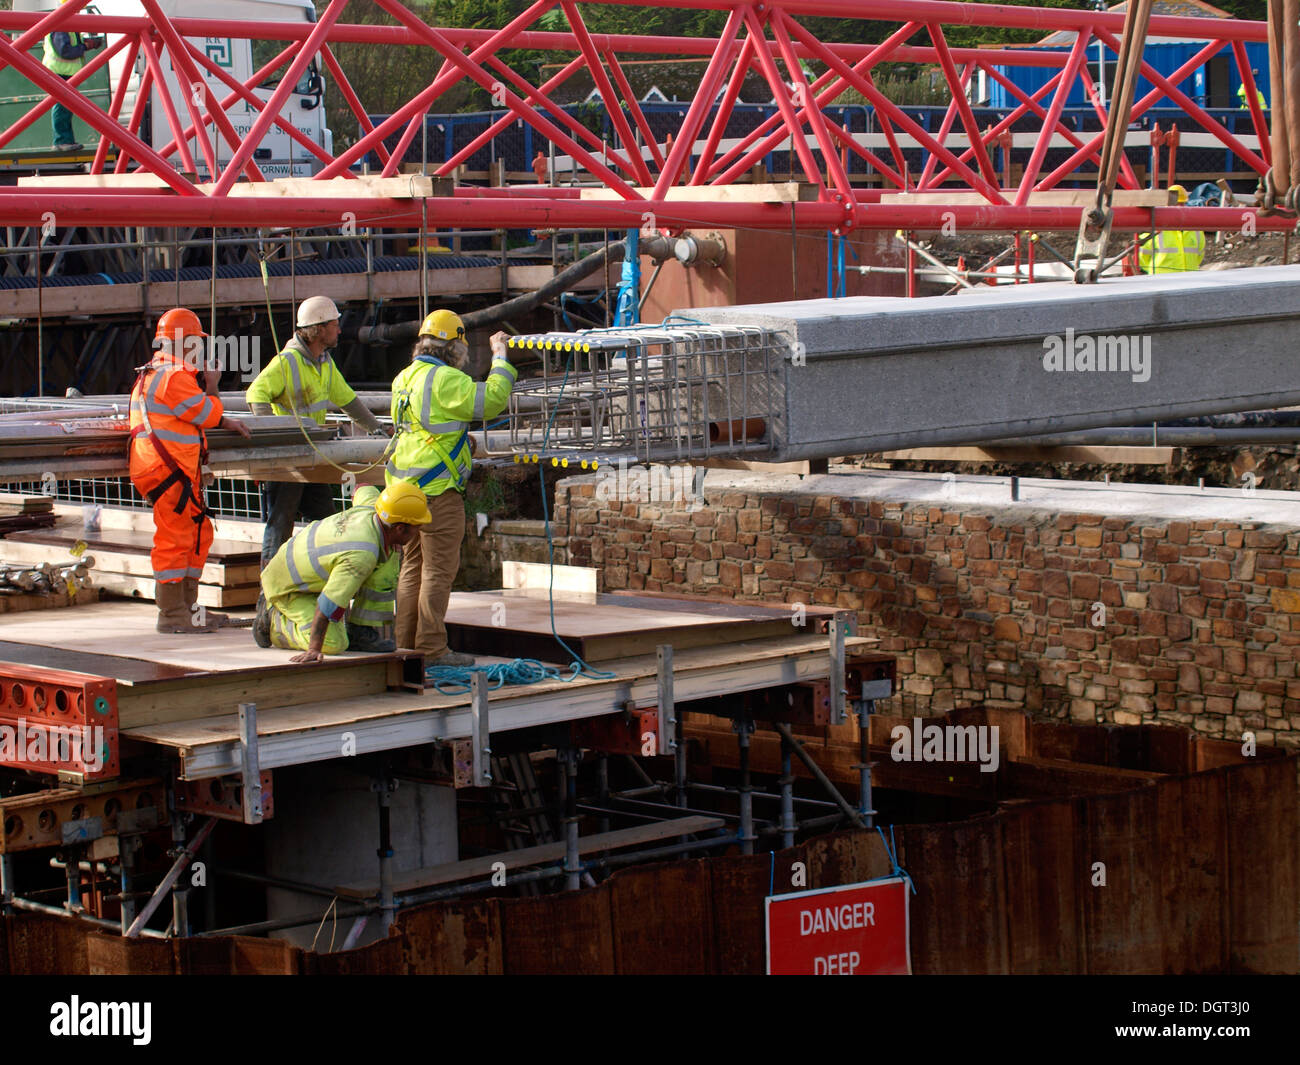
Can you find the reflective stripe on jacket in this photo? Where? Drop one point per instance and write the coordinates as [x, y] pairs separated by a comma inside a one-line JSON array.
[[1172, 251], [294, 382], [168, 406], [331, 558], [433, 407]]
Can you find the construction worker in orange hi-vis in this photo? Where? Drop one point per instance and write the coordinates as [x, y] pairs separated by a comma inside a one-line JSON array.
[[174, 399]]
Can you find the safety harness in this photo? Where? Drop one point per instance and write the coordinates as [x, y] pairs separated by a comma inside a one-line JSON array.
[[176, 475], [445, 463]]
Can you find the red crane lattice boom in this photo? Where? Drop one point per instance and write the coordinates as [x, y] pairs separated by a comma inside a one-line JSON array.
[[643, 174]]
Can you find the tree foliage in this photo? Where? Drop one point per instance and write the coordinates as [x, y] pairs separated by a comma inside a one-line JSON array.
[[386, 77]]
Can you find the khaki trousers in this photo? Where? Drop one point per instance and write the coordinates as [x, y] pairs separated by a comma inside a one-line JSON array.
[[429, 565]]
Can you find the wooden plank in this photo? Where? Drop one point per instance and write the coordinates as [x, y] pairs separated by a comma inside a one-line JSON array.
[[130, 563], [235, 530], [533, 576], [131, 587], [783, 192], [1048, 198], [471, 868], [248, 291], [607, 629], [18, 604], [217, 695]]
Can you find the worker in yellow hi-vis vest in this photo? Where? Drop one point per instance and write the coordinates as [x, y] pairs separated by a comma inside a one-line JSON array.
[[434, 403], [302, 380], [333, 569], [1171, 251]]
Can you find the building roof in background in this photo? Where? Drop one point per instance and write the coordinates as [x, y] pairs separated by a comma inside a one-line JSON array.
[[1176, 8]]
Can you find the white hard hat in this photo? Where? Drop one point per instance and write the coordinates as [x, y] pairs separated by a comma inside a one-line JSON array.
[[316, 310]]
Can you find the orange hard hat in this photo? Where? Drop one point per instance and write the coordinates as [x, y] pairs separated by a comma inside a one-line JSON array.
[[181, 321]]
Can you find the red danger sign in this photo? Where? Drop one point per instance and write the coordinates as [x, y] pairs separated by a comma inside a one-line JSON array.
[[854, 930]]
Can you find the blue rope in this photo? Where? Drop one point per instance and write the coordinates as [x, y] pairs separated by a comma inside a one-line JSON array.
[[771, 880], [455, 680], [578, 666], [892, 851]]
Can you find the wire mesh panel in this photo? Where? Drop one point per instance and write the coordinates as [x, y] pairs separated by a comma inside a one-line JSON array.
[[671, 393]]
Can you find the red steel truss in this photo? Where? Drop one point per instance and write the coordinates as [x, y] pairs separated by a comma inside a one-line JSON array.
[[644, 175]]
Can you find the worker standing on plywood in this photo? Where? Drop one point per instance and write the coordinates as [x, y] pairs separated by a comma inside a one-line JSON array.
[[169, 411], [332, 568], [303, 381], [1172, 251], [434, 402]]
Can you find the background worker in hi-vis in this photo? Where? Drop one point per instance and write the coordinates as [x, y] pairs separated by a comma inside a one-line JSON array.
[[434, 402], [303, 381]]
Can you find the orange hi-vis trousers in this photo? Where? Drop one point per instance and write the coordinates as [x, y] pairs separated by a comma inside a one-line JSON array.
[[182, 533]]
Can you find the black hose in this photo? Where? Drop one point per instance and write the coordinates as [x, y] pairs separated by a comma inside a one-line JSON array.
[[512, 308]]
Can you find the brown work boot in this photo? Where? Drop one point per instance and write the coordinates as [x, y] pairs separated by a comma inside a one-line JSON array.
[[201, 619], [173, 612]]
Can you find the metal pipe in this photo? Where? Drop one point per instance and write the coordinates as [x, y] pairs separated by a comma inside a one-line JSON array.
[[787, 796], [816, 771], [6, 883], [258, 927], [55, 911], [387, 908], [274, 881], [744, 729], [173, 874], [572, 859]]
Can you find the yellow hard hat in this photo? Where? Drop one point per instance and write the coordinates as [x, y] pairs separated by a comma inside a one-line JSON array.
[[443, 325], [402, 504], [1182, 192]]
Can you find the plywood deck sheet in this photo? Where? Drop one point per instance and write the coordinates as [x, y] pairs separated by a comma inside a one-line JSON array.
[[312, 731], [167, 677], [600, 627]]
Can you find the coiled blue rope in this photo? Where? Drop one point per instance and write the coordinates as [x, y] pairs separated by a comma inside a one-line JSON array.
[[456, 680]]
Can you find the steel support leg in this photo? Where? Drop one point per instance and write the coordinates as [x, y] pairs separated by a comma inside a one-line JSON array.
[[6, 884], [788, 824], [744, 729], [387, 908], [126, 860], [865, 808], [180, 893], [73, 873], [679, 759], [572, 865]]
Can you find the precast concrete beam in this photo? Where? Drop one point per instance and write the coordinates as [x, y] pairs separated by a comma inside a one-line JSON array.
[[874, 373]]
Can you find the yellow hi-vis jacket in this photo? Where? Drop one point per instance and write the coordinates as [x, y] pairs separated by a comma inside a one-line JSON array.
[[433, 406], [332, 559], [293, 382], [55, 63], [376, 601], [1171, 251]]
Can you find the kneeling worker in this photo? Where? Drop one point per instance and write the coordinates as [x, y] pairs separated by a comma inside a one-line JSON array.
[[335, 563]]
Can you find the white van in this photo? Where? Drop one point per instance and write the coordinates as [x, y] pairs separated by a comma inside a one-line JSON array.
[[277, 155]]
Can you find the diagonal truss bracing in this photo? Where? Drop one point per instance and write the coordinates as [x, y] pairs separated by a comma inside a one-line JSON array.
[[768, 39]]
